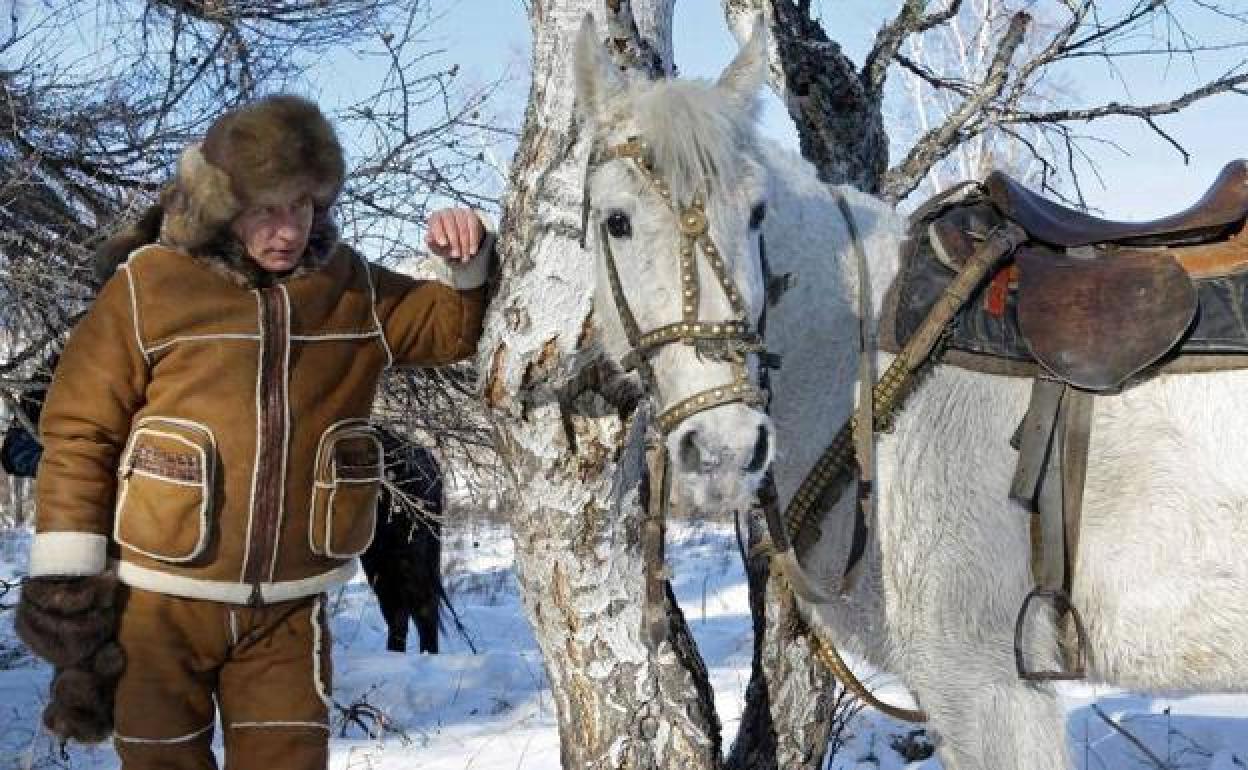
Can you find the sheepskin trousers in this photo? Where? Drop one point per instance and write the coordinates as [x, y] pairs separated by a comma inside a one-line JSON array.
[[266, 670]]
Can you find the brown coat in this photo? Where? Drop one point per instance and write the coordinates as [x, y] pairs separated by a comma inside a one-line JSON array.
[[213, 437]]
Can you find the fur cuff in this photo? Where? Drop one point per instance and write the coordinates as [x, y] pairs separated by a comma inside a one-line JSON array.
[[67, 554]]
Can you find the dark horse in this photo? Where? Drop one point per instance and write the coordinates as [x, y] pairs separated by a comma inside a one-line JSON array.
[[403, 564]]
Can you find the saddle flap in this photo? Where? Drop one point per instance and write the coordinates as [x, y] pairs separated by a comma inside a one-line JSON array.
[[1096, 321]]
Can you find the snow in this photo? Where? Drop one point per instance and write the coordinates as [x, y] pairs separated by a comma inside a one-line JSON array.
[[491, 710]]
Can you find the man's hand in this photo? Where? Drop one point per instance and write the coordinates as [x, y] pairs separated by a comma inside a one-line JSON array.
[[455, 234]]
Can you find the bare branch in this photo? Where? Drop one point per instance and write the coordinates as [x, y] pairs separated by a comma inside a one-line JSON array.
[[1225, 84], [909, 21], [938, 142], [957, 85]]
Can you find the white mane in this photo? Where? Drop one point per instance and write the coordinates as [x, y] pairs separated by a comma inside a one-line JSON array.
[[713, 154]]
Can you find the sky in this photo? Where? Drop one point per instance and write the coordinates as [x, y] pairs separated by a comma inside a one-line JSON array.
[[1144, 177]]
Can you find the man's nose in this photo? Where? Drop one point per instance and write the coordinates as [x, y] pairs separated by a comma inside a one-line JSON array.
[[287, 228]]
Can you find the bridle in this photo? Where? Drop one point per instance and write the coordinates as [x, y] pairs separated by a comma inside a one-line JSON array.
[[728, 340]]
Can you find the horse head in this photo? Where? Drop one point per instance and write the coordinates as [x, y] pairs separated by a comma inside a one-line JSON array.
[[675, 197]]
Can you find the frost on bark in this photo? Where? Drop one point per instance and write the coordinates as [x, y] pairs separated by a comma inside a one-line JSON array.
[[629, 687]]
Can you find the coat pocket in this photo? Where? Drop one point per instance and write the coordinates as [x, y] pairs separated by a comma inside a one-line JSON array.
[[344, 497], [165, 489]]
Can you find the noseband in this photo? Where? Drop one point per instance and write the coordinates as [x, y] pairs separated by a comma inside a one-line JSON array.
[[727, 340]]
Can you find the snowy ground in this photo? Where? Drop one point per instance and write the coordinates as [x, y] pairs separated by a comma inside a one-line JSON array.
[[491, 711]]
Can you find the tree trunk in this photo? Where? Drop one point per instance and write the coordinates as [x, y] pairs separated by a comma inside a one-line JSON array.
[[791, 698], [836, 109], [629, 687]]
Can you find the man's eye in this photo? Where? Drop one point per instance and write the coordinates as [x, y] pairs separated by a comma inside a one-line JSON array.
[[757, 214], [619, 225]]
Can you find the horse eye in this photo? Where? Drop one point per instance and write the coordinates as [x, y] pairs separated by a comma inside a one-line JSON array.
[[757, 214], [619, 225]]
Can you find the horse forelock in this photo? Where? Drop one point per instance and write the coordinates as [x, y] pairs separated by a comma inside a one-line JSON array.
[[699, 135]]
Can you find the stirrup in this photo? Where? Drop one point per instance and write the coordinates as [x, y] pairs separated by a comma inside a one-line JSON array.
[[1062, 604]]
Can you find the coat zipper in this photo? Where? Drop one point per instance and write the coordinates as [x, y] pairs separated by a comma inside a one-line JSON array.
[[266, 505]]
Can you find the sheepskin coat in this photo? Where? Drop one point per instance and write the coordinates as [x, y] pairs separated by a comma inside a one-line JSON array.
[[209, 434]]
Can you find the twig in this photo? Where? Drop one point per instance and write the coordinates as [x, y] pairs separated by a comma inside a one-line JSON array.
[[1131, 738]]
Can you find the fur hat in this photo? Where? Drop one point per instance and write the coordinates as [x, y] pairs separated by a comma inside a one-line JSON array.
[[269, 151]]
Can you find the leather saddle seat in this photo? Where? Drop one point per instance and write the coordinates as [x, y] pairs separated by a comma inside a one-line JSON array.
[[1092, 301], [1225, 204]]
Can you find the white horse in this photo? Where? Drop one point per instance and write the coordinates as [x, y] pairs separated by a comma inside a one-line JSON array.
[[1162, 581]]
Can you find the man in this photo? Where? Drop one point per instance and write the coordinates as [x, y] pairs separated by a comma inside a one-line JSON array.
[[209, 471]]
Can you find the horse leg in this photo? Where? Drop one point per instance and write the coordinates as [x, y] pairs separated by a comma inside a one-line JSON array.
[[983, 717], [426, 592], [388, 586], [426, 619]]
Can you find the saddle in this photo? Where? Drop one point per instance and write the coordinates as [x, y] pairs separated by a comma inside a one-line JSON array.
[[1083, 306], [1086, 301]]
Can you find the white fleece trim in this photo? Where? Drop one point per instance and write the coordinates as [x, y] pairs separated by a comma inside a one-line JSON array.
[[201, 338], [134, 312], [473, 274], [372, 305], [318, 635], [68, 554], [232, 592], [336, 336], [318, 725], [179, 739]]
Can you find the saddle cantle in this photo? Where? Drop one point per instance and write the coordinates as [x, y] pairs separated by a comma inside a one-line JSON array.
[[1223, 205], [1086, 301]]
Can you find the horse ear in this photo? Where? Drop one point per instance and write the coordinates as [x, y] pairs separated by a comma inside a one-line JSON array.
[[746, 74], [596, 80]]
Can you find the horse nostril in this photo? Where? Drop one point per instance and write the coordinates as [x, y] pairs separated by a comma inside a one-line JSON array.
[[688, 453], [761, 446]]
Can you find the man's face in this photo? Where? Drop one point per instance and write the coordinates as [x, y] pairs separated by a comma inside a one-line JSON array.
[[275, 235]]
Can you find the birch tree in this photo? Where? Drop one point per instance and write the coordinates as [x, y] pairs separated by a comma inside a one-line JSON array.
[[629, 687]]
